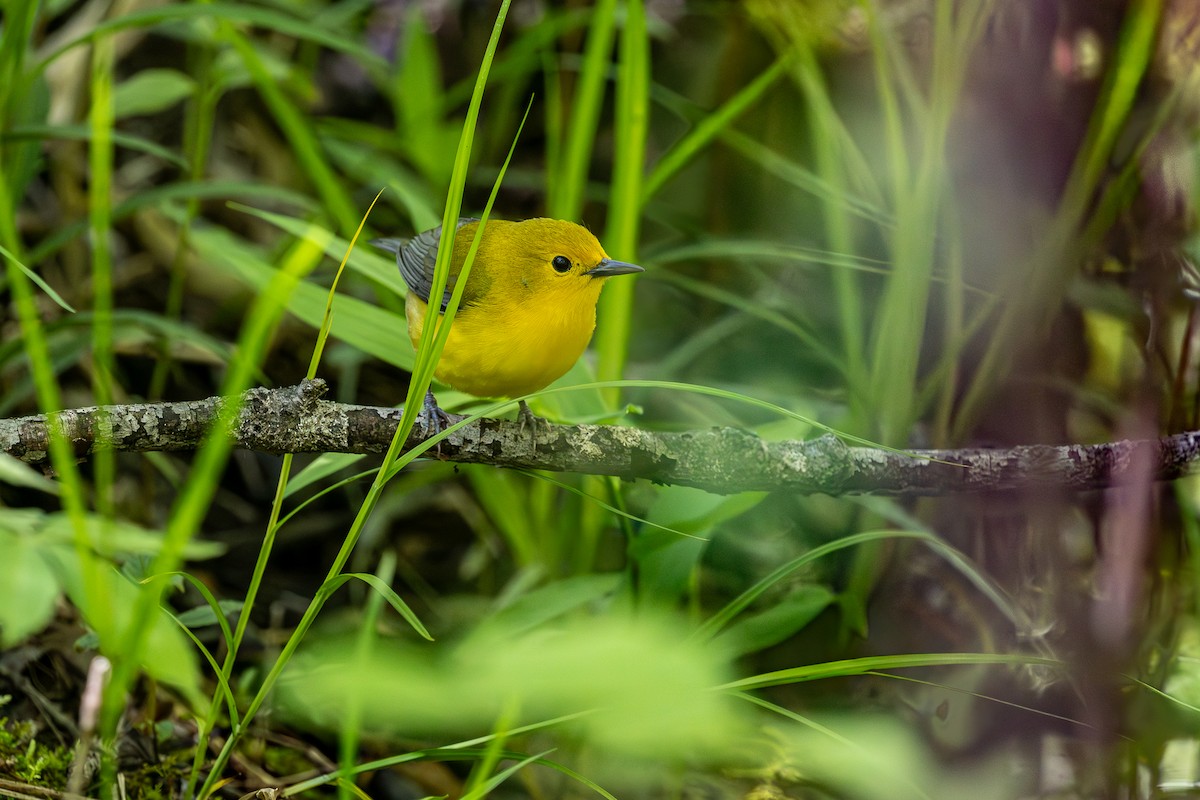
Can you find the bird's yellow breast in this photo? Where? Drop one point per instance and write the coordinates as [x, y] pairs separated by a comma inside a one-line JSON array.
[[511, 349]]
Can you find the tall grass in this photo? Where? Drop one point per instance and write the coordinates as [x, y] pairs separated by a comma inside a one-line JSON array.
[[629, 591]]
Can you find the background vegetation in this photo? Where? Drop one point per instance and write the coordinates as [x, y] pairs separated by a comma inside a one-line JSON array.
[[926, 223]]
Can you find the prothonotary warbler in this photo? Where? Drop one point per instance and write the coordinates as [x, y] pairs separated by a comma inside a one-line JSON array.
[[528, 309]]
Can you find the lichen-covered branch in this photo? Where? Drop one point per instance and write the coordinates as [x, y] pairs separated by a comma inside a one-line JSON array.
[[296, 420]]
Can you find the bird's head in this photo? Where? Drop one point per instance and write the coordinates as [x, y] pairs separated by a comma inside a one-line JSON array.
[[551, 260]]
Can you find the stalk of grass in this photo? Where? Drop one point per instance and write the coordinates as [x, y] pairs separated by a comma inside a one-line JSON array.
[[1037, 290], [710, 126], [37, 133], [555, 128], [566, 183], [273, 523], [257, 16], [298, 131], [364, 644], [481, 780], [199, 124], [829, 142], [223, 686], [917, 191], [545, 527], [192, 505], [19, 23], [624, 205], [100, 164], [988, 698], [463, 751], [952, 556], [49, 400], [917, 187], [285, 470], [860, 666], [484, 788], [14, 82], [165, 195], [422, 376], [854, 192]]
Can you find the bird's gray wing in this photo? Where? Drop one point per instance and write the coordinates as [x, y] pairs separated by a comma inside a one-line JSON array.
[[416, 258]]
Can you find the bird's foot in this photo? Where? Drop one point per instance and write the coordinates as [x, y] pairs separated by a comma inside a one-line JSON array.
[[529, 420], [433, 420]]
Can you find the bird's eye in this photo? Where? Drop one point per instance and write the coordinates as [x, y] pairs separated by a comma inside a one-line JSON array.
[[561, 264]]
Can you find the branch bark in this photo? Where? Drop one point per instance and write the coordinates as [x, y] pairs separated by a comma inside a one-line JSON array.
[[723, 460]]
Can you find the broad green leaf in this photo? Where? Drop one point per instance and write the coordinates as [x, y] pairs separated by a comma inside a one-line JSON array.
[[18, 473], [150, 91], [639, 687], [201, 616], [27, 588], [373, 330], [554, 600], [777, 622], [117, 537], [167, 656]]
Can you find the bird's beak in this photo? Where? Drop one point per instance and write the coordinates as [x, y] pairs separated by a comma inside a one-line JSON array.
[[607, 268]]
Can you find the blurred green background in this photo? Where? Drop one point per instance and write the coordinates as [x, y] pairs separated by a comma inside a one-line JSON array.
[[926, 223]]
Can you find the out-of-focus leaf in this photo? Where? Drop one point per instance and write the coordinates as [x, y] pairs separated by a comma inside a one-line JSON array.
[[83, 133], [776, 623], [167, 656], [27, 588], [33, 276], [373, 330], [151, 91], [640, 688], [201, 616], [18, 473], [552, 601], [116, 537]]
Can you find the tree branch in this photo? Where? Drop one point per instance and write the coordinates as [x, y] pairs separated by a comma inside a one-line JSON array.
[[295, 419]]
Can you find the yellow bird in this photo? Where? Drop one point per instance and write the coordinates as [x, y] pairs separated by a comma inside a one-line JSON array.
[[529, 307]]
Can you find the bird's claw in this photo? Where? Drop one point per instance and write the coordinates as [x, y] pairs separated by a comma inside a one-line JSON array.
[[527, 419], [433, 420]]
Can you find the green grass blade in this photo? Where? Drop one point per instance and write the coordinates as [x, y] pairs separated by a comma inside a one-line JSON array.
[[860, 666], [454, 199], [683, 151], [298, 130], [37, 279], [566, 186], [624, 204]]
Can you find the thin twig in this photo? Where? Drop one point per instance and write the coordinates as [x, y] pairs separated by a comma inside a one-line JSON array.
[[723, 460]]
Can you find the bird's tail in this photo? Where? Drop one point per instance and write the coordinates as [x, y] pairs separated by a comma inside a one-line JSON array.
[[391, 245]]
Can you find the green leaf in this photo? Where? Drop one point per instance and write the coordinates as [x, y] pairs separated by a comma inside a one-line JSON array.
[[554, 600], [370, 262], [18, 473], [116, 537], [637, 686], [270, 19], [429, 141], [388, 593], [151, 91], [27, 588], [373, 330], [200, 616], [167, 655], [776, 623], [83, 133], [33, 276]]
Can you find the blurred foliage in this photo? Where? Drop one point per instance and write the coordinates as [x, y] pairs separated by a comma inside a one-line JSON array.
[[925, 222]]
